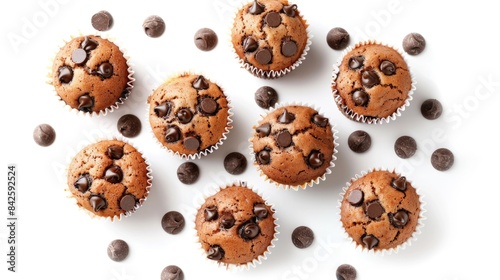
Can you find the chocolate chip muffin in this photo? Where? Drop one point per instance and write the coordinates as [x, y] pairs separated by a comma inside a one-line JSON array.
[[372, 84], [269, 37], [293, 146], [235, 226], [109, 179], [91, 74], [189, 115], [380, 210]]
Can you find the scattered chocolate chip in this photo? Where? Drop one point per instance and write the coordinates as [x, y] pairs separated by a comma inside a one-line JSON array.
[[319, 120], [345, 272], [337, 38], [289, 47], [431, 109], [188, 172], [414, 43], [260, 211], [172, 222], [315, 159], [113, 174], [263, 130], [191, 143], [227, 221], [184, 115], [163, 110], [370, 78], [129, 125], [374, 209], [172, 272], [399, 183], [359, 141], [83, 182], [273, 19], [370, 241], [102, 21], [44, 135], [264, 56], [235, 163], [256, 8], [442, 159], [360, 98], [356, 197], [114, 152], [290, 10], [85, 103], [250, 44], [205, 39], [79, 56], [200, 83], [284, 139], [356, 62], [249, 230], [154, 26], [266, 97], [387, 67], [98, 202], [399, 219], [127, 203], [118, 250], [263, 157], [173, 134], [65, 74], [302, 237], [286, 117], [208, 106], [405, 147], [215, 252], [210, 213], [105, 70]]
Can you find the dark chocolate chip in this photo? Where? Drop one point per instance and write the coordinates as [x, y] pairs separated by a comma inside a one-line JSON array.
[[359, 141], [263, 157], [369, 241], [315, 159], [89, 44], [405, 147], [370, 78], [200, 83], [399, 183], [374, 209], [319, 120], [163, 110], [153, 26], [286, 117], [44, 135], [129, 125], [399, 219], [414, 43], [205, 39], [249, 230], [360, 98], [173, 222], [337, 38], [172, 272], [105, 70], [191, 143], [188, 172], [264, 56], [302, 237], [98, 202], [356, 197], [85, 103], [356, 62], [273, 19], [235, 163], [173, 134], [431, 109], [65, 74], [442, 159], [184, 115], [266, 97], [210, 213], [250, 44], [102, 21], [289, 48], [208, 106], [256, 8], [83, 182], [260, 211], [118, 250], [387, 67], [79, 56], [263, 130], [113, 174], [290, 10], [128, 202], [215, 252], [283, 139], [227, 221], [114, 152], [345, 272]]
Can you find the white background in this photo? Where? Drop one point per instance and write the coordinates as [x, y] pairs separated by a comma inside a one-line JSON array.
[[459, 67]]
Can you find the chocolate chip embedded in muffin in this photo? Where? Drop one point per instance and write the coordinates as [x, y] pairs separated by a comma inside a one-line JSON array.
[[44, 135], [337, 38], [129, 125], [414, 43], [118, 250], [153, 26], [442, 159], [205, 39], [405, 146], [302, 237], [172, 222]]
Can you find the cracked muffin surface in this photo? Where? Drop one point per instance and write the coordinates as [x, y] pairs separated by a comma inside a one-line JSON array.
[[380, 210]]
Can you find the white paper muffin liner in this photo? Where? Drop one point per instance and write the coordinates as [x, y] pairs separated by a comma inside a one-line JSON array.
[[210, 149], [269, 74], [233, 267], [314, 181], [362, 118], [121, 99], [119, 217], [404, 245]]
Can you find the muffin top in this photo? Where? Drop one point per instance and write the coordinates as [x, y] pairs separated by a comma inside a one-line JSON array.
[[189, 114], [91, 74], [380, 210], [373, 81], [293, 145]]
